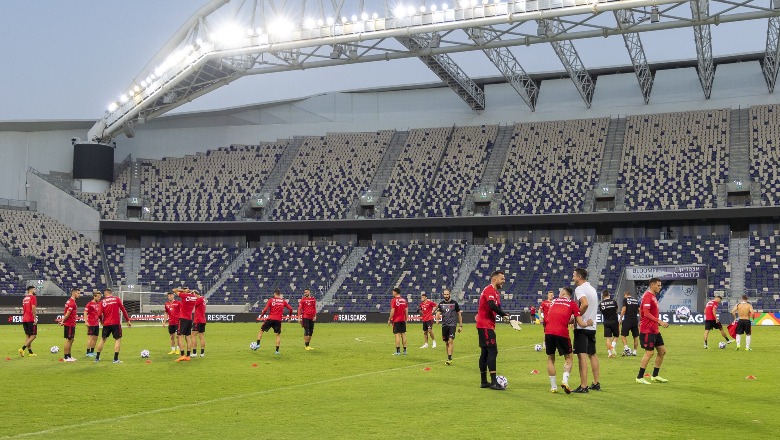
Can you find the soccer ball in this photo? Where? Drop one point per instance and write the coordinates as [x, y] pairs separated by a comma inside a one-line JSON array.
[[253, 346], [55, 349], [722, 345], [682, 313], [144, 353], [538, 347], [501, 380], [626, 352]]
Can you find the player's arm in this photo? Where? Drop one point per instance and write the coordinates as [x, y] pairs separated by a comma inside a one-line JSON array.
[[390, 319], [583, 304], [734, 311], [287, 305], [460, 321], [315, 312], [34, 309], [623, 314], [582, 323], [124, 313], [66, 316], [496, 308]]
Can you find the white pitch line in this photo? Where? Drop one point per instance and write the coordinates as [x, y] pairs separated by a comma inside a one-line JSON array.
[[224, 399]]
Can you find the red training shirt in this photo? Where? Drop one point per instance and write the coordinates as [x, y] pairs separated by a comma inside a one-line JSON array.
[[109, 308], [172, 310], [27, 304], [70, 305], [486, 317], [200, 311], [427, 308], [558, 315], [307, 307], [92, 313], [400, 306], [275, 308], [187, 304], [544, 308], [710, 310], [648, 307]]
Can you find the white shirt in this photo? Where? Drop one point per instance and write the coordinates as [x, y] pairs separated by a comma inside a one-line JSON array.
[[586, 290]]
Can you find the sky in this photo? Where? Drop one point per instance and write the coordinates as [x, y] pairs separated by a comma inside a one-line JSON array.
[[67, 60]]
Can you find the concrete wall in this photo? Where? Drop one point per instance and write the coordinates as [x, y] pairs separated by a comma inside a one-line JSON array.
[[64, 208]]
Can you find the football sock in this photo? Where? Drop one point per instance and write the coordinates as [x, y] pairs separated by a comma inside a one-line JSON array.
[[484, 376], [202, 350], [625, 347], [739, 340], [188, 352], [258, 342], [24, 347], [29, 350], [565, 377], [641, 373], [181, 353], [277, 348], [614, 343], [307, 344], [655, 371], [492, 377], [97, 356], [67, 355], [116, 355], [404, 349], [552, 382], [747, 341], [449, 357], [397, 349], [173, 348]]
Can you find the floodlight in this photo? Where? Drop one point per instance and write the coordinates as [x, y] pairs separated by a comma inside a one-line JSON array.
[[444, 6], [655, 17], [123, 98], [433, 8], [364, 16], [112, 107], [330, 21], [374, 15], [399, 11], [541, 31], [354, 18]]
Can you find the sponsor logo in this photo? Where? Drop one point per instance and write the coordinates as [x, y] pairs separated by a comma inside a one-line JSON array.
[[15, 318], [350, 318], [221, 318], [147, 317]]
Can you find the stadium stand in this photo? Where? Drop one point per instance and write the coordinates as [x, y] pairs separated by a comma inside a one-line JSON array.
[[56, 253], [287, 268], [675, 160], [711, 250], [550, 166], [163, 268], [461, 167], [531, 269], [328, 173], [10, 284], [107, 204], [413, 172], [115, 256], [764, 129], [762, 273]]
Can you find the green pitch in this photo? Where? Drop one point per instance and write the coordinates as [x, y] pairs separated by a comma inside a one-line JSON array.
[[351, 387]]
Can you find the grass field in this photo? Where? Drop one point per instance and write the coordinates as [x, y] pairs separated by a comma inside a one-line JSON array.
[[350, 387]]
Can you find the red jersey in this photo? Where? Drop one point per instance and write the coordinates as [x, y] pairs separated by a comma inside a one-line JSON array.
[[187, 304], [648, 307], [307, 307], [109, 309], [486, 317], [711, 310], [200, 311], [92, 313], [401, 307], [70, 306], [532, 310], [27, 305], [172, 311], [275, 308], [558, 316], [544, 308], [427, 308]]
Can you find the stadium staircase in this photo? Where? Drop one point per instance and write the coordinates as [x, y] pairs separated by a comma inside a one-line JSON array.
[[350, 263], [597, 262], [610, 165], [132, 265], [739, 254], [467, 266], [108, 278], [239, 261], [18, 264], [496, 162], [424, 196], [278, 172], [739, 156], [384, 170]]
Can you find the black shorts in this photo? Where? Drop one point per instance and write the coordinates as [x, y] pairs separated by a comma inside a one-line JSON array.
[[651, 341], [185, 327], [30, 328], [611, 329], [584, 341], [271, 323], [68, 332], [711, 324], [487, 337], [555, 342], [744, 326], [308, 326], [93, 330], [199, 327], [399, 327], [172, 328], [115, 330], [427, 325], [448, 332], [633, 327]]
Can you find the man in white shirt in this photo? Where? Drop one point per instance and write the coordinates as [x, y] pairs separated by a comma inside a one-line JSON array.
[[585, 337]]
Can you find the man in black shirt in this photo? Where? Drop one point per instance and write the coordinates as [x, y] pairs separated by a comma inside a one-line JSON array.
[[629, 315], [449, 313], [608, 308]]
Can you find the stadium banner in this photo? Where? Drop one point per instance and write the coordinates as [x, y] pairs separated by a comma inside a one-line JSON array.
[[766, 318], [643, 273], [695, 318]]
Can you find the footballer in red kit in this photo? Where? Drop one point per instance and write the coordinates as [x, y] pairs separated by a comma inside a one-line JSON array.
[[307, 313], [489, 308], [275, 308], [172, 317], [110, 308], [184, 330], [711, 319], [29, 320], [426, 309], [399, 314], [68, 323], [559, 313], [545, 306], [92, 320], [199, 325], [649, 335]]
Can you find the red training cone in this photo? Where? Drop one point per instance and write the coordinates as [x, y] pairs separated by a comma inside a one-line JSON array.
[[751, 377], [534, 371]]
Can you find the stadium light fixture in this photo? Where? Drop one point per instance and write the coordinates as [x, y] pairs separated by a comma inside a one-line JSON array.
[[375, 16], [112, 107], [123, 98], [330, 21], [444, 6], [541, 31], [655, 16], [433, 8], [364, 16]]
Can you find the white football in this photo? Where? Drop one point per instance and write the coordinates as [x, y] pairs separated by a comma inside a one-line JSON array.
[[144, 353], [682, 313], [538, 347], [253, 345], [55, 349], [722, 345], [501, 380]]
